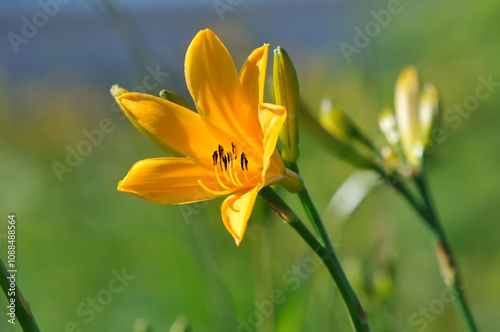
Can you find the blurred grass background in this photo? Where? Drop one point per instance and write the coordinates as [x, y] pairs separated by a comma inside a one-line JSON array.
[[74, 234]]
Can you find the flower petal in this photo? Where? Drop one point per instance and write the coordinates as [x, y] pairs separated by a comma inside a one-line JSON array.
[[236, 210], [171, 180], [214, 84], [406, 95], [271, 118], [175, 125], [253, 76]]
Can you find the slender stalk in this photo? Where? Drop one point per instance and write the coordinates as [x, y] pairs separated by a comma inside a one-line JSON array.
[[449, 269], [396, 183], [311, 212], [447, 262], [22, 311], [357, 315]]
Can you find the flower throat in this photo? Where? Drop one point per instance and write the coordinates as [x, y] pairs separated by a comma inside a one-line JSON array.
[[226, 160], [228, 157]]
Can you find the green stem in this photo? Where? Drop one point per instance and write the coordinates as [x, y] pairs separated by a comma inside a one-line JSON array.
[[22, 308], [449, 269], [311, 212], [327, 255], [397, 184], [447, 265]]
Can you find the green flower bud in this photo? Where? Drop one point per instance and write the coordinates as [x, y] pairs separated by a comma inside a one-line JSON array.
[[335, 121], [341, 125], [387, 124], [390, 157], [428, 113], [331, 142], [286, 89], [175, 98]]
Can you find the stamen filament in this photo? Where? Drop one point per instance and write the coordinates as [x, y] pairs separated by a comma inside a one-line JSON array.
[[231, 174], [227, 177], [218, 178], [223, 158], [214, 192], [238, 182]]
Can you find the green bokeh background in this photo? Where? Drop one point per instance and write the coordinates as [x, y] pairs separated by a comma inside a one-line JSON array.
[[72, 234]]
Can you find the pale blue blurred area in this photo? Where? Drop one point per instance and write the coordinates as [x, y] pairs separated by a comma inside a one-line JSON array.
[[84, 35]]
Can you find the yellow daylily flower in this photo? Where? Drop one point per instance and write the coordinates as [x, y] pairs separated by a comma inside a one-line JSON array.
[[229, 145]]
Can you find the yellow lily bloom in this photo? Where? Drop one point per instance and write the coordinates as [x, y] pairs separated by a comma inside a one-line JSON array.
[[229, 145]]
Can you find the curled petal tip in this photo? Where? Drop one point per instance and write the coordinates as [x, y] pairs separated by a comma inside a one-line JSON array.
[[116, 91]]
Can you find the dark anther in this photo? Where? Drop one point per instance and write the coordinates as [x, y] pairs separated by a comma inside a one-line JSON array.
[[221, 154], [244, 162], [234, 150], [224, 159], [214, 158], [228, 157]]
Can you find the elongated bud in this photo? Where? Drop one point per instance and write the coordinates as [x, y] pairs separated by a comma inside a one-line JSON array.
[[175, 98], [332, 143], [116, 92], [341, 125], [286, 89], [428, 113], [406, 98], [335, 121], [387, 124], [390, 156]]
